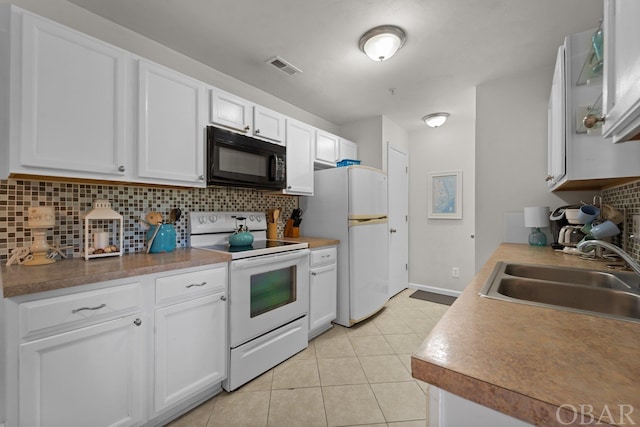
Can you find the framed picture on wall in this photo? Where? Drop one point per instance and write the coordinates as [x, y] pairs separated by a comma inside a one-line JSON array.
[[444, 195]]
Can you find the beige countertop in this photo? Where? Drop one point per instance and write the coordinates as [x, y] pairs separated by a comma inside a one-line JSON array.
[[529, 361], [22, 280], [314, 242]]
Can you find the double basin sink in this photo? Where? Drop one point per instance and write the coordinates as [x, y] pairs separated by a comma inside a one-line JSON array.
[[614, 295]]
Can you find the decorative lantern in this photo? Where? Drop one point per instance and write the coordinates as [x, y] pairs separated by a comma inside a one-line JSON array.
[[103, 231]]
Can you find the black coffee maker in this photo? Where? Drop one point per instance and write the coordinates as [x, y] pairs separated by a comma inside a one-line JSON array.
[[557, 220]]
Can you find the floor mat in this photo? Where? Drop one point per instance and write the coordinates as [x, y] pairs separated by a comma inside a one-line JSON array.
[[430, 296]]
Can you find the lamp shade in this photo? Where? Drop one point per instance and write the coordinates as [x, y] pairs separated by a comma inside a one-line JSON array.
[[435, 120], [536, 216], [381, 43]]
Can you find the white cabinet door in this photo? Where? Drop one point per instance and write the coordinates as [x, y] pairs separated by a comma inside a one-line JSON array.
[[322, 296], [621, 92], [268, 124], [171, 124], [299, 158], [190, 348], [231, 111], [556, 126], [87, 377], [347, 150], [73, 103], [326, 148]]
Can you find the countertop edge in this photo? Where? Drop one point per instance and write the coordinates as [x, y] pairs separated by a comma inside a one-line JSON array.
[[448, 358], [79, 270], [509, 402]]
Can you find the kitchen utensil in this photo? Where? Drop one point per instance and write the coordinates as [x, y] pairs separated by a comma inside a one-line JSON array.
[[174, 215], [154, 218], [604, 229], [613, 215], [241, 237], [588, 213], [276, 215], [153, 236], [572, 216], [162, 238], [570, 235]]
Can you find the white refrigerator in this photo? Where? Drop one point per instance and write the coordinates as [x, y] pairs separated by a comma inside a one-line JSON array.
[[350, 204]]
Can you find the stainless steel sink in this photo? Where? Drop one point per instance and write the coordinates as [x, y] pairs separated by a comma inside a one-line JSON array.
[[615, 295]]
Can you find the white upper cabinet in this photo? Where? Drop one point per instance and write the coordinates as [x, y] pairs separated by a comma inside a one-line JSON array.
[[171, 122], [300, 139], [581, 158], [231, 111], [268, 124], [327, 146], [68, 106], [621, 92], [347, 150], [240, 115]]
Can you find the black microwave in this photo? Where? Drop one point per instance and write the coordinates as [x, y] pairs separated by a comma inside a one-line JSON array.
[[242, 161]]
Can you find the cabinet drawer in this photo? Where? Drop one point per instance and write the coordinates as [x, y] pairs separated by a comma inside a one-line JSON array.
[[192, 284], [79, 309], [323, 256]]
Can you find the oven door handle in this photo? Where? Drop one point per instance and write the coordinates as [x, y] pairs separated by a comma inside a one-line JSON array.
[[268, 259]]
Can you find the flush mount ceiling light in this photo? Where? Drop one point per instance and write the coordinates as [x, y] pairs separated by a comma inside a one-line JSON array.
[[435, 120], [381, 43]]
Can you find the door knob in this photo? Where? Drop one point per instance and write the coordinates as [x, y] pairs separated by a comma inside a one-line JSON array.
[[392, 230]]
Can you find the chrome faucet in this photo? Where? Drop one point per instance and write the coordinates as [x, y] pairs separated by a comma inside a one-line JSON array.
[[588, 246]]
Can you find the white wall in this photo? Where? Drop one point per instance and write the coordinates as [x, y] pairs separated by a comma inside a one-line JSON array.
[[511, 154], [79, 19], [437, 245], [367, 133]]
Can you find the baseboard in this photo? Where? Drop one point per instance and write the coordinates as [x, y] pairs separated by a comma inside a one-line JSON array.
[[435, 290]]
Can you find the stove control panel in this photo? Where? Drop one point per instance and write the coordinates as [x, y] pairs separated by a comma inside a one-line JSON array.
[[220, 222]]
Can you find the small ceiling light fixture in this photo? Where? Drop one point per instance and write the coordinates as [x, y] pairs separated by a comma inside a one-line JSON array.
[[381, 43], [435, 120]]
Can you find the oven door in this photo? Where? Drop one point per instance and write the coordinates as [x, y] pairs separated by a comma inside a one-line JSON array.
[[266, 292]]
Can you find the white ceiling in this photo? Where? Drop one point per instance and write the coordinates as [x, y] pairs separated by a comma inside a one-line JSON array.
[[451, 45]]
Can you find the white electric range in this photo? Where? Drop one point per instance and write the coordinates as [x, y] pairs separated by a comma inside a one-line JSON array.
[[268, 292]]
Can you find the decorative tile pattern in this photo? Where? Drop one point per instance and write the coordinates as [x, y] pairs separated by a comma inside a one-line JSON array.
[[72, 199], [627, 199]]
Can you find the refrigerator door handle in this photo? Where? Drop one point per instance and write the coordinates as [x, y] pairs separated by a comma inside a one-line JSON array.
[[356, 222]]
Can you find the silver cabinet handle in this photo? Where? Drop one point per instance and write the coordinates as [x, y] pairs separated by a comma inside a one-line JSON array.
[[548, 178], [392, 230], [223, 298], [137, 322], [257, 131], [201, 177], [121, 169], [314, 273], [74, 311], [246, 128], [195, 284]]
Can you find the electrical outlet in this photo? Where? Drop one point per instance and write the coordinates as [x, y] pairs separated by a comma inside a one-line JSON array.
[[455, 271], [636, 226]]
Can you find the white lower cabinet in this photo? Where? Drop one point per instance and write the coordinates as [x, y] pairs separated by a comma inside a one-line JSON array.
[[126, 352], [86, 377], [323, 286], [190, 348]]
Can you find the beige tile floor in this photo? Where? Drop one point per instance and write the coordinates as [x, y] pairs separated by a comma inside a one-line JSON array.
[[346, 377]]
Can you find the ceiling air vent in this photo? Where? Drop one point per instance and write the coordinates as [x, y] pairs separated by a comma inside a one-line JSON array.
[[284, 66]]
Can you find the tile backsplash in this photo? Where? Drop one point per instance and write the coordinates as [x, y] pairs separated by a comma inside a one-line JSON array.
[[70, 200], [627, 198]]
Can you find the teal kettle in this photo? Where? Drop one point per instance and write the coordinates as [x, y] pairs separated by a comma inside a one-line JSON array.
[[241, 237]]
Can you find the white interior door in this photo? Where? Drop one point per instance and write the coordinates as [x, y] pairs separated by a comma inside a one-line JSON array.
[[398, 220]]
